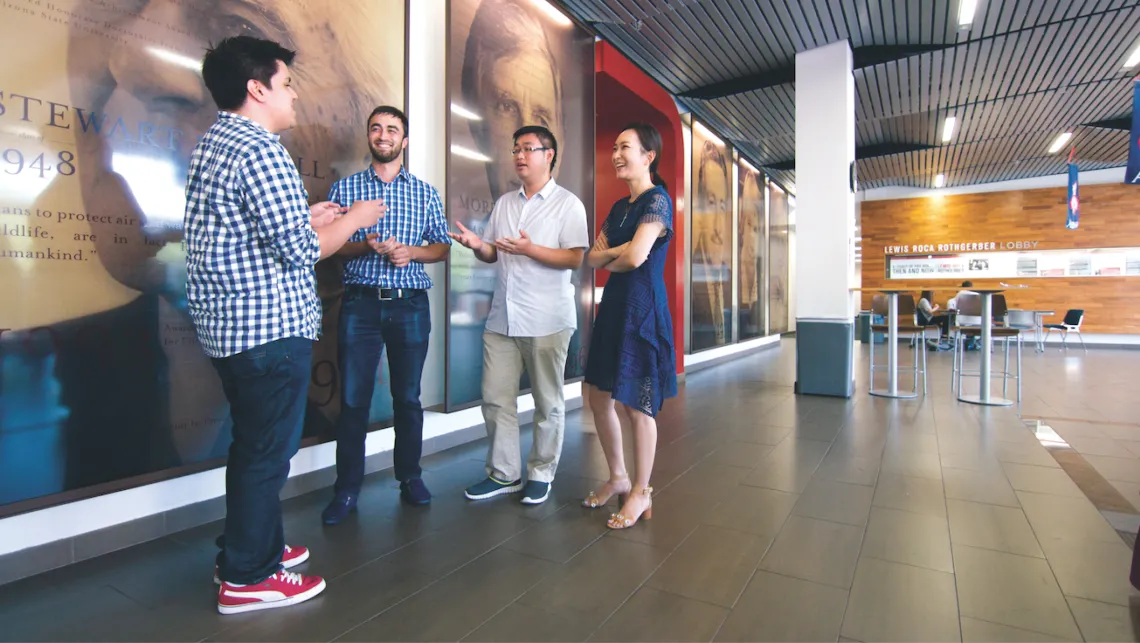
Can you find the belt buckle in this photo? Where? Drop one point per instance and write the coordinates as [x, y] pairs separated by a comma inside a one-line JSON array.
[[380, 293]]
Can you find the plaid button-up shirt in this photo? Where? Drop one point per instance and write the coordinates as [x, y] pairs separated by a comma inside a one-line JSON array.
[[414, 215], [250, 244]]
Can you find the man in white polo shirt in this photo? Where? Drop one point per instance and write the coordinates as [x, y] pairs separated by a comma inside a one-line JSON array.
[[536, 237]]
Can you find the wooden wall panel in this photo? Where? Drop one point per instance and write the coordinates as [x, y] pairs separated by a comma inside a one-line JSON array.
[[1110, 218]]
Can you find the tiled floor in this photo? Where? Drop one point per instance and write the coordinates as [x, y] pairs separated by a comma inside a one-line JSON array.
[[776, 517]]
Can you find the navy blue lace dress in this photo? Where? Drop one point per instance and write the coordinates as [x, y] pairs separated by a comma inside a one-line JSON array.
[[631, 350]]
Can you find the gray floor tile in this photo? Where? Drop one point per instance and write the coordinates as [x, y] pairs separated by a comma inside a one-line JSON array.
[[1011, 590], [1106, 622], [561, 536], [761, 434], [918, 495], [835, 501], [907, 440], [712, 565], [1033, 454], [464, 593], [525, 624], [978, 486], [1047, 480], [1092, 570], [910, 463], [983, 461], [654, 615], [991, 527], [909, 538], [594, 583], [1099, 446], [741, 454], [840, 467], [895, 602], [676, 514], [782, 608], [1065, 518], [975, 631], [1124, 469], [754, 510], [815, 550], [784, 475]]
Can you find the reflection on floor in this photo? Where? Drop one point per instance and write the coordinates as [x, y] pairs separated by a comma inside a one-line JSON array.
[[776, 517]]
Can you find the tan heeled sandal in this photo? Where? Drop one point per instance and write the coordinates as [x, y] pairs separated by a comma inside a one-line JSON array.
[[593, 500], [622, 521]]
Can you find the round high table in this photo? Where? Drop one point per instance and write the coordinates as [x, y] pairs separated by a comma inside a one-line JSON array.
[[984, 397]]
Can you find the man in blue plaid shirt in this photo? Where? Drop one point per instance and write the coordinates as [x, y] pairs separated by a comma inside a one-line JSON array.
[[251, 243], [385, 305]]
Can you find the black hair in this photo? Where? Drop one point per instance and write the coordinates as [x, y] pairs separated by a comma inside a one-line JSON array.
[[967, 284], [228, 67], [545, 136], [650, 140], [390, 111], [928, 295]]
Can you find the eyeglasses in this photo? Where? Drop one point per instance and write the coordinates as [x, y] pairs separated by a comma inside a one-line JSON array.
[[527, 150]]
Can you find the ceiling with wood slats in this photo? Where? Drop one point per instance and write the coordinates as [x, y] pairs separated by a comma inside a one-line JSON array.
[[1021, 73]]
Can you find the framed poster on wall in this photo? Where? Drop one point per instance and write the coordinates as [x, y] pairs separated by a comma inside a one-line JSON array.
[[711, 261], [753, 251], [511, 63], [778, 259], [103, 382]]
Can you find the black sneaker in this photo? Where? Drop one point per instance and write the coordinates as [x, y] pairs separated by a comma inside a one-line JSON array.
[[491, 487], [414, 492], [535, 492]]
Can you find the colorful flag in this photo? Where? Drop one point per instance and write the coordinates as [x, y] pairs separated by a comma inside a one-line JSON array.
[[1132, 173], [1074, 217]]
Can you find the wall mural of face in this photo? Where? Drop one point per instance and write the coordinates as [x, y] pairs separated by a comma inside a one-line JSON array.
[[712, 239], [510, 68]]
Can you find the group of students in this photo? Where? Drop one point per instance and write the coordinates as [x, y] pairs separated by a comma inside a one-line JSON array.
[[252, 241]]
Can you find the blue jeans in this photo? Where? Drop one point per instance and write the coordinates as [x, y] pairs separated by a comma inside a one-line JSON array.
[[367, 325], [267, 388]]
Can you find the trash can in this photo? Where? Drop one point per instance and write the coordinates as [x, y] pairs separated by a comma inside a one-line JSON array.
[[863, 327]]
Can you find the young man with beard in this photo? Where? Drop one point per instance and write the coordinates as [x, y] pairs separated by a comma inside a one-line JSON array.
[[251, 243], [536, 237], [385, 304]]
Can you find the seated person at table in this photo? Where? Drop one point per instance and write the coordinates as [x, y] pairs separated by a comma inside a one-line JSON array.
[[926, 317], [966, 320]]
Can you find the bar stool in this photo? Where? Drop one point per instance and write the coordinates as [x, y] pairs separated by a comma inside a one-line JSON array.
[[971, 306], [906, 311]]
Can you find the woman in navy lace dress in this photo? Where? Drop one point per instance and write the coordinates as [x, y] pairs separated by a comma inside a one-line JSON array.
[[630, 366]]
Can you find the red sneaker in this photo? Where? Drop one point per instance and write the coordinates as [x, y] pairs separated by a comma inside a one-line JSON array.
[[279, 590], [290, 558]]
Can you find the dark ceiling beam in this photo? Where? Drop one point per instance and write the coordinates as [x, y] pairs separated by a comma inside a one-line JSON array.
[[864, 152], [1124, 123], [867, 56]]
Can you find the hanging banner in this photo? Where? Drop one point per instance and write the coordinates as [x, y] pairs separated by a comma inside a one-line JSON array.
[[1132, 174], [1073, 219]]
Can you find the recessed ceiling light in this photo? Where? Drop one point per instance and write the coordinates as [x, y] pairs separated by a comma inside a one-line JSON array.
[[1133, 58], [1059, 142], [966, 11], [948, 128], [940, 180]]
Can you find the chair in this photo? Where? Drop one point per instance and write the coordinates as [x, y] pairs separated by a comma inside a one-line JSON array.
[[971, 305], [1070, 324], [906, 325]]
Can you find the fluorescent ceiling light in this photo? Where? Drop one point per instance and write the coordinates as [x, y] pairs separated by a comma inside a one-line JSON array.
[[459, 150], [966, 11], [707, 133], [554, 14], [1059, 142], [175, 58], [948, 128], [940, 180], [463, 112], [1133, 58]]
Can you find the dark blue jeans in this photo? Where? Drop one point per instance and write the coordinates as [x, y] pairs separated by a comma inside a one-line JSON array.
[[267, 388], [367, 326]]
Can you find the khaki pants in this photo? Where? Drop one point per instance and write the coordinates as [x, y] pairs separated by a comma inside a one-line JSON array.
[[545, 361]]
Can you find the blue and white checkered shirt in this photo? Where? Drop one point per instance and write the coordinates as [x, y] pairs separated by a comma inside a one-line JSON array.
[[415, 215], [250, 244]]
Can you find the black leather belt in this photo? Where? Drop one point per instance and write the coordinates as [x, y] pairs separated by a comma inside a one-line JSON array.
[[383, 294]]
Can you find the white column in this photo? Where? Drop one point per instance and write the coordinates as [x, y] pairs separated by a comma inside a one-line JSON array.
[[825, 219]]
